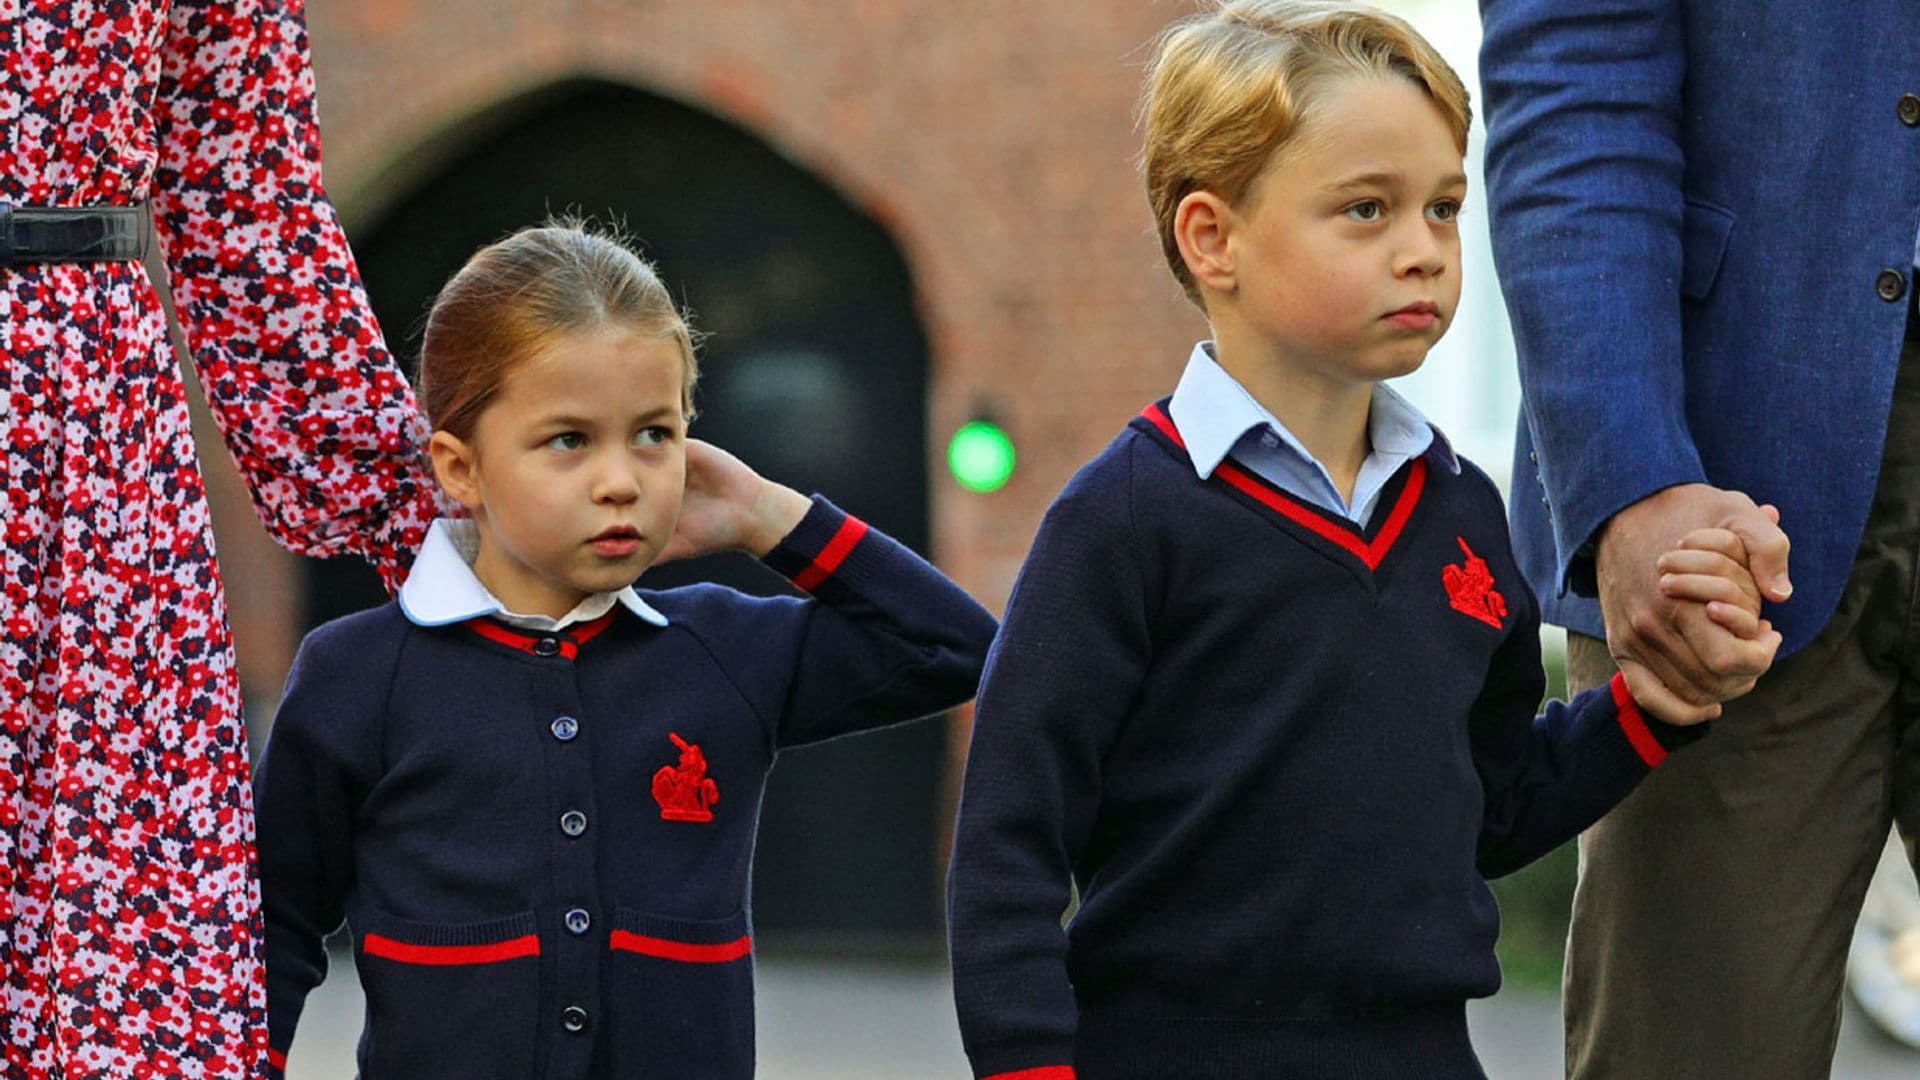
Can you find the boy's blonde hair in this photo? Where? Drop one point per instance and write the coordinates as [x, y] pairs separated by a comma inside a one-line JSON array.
[[1228, 87], [516, 295]]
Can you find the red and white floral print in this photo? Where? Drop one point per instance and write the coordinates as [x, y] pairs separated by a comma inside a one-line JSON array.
[[129, 923]]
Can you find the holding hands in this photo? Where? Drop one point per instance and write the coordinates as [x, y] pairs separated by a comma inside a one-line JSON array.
[[1683, 617]]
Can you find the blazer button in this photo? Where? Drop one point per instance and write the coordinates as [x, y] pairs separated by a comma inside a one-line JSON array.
[[578, 921], [574, 1019], [547, 646], [1910, 110], [565, 728], [573, 823], [1891, 285]]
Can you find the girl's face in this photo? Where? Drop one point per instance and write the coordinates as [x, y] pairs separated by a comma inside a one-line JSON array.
[[575, 471]]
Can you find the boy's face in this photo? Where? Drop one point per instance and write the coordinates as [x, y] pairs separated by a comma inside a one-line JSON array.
[[1346, 251], [577, 468]]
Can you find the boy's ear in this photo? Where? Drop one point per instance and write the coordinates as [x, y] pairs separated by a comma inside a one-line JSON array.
[[457, 469], [1201, 226]]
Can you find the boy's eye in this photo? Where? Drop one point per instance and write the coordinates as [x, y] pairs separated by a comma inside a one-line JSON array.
[[653, 436], [567, 440], [1446, 210], [1370, 210]]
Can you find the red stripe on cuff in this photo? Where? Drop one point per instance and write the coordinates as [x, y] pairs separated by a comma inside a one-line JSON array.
[[685, 952], [835, 553], [513, 949], [276, 1059], [1634, 724], [1045, 1072]]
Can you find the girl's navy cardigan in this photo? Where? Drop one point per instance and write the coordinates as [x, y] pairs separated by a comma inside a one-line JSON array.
[[1279, 756], [541, 841]]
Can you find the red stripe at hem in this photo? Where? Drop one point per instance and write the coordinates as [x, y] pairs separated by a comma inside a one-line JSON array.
[[276, 1059], [1634, 724], [512, 949], [685, 952], [835, 553], [1045, 1072]]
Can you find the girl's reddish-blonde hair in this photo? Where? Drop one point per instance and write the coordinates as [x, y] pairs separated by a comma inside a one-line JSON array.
[[516, 295]]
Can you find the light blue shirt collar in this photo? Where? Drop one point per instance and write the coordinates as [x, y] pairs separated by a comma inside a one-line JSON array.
[[1214, 413], [442, 587]]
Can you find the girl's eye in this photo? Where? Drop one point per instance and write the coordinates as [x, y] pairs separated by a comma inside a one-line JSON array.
[[567, 440], [1370, 210], [1446, 211], [653, 436]]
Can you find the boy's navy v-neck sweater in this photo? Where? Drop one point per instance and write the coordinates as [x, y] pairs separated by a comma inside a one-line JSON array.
[[1279, 756], [541, 841]]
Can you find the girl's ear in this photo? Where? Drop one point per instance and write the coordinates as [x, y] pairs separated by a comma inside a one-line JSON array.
[[457, 468], [1202, 225]]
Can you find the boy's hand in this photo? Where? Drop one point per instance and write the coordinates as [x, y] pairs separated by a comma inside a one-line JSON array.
[[729, 507], [1652, 637], [1710, 567]]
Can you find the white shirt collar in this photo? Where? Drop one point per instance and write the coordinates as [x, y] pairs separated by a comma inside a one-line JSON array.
[[443, 589], [1212, 411]]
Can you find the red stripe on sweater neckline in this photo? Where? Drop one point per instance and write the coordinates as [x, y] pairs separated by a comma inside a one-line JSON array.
[[569, 639], [1369, 552]]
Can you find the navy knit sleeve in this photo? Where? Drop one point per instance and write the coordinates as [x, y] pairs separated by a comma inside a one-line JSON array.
[[887, 637], [320, 759], [1064, 672], [1547, 777]]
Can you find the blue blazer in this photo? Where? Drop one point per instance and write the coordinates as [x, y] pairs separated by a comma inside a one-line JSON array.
[[1704, 219]]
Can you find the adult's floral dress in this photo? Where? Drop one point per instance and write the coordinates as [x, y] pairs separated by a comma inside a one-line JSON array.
[[129, 914]]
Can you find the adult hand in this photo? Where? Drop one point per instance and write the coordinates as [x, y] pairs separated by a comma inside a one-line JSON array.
[[1675, 658]]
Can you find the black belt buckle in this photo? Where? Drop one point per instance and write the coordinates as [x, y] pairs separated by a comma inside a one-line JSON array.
[[72, 234]]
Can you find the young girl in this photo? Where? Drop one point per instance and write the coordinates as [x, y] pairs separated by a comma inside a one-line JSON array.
[[531, 789]]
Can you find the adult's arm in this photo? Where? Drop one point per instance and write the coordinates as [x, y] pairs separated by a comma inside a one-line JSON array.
[[1584, 174], [311, 404]]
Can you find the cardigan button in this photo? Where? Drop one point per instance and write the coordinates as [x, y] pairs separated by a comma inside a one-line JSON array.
[[1891, 285], [1909, 109], [578, 921], [573, 823], [565, 728], [574, 1019], [547, 646]]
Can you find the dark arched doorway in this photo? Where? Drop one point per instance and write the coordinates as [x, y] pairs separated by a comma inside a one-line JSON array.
[[815, 373]]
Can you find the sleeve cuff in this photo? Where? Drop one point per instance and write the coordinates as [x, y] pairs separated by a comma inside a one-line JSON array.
[[276, 1063], [816, 549], [1044, 1072], [1651, 738]]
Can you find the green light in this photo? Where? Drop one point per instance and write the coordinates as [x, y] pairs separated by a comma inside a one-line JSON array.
[[981, 456]]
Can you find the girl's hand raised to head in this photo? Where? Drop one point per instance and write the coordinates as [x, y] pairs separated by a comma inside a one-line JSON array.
[[729, 507]]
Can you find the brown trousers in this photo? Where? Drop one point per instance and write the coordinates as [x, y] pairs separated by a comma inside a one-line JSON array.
[[1716, 904]]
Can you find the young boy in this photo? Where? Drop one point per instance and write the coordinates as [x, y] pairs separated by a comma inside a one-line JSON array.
[[1265, 690]]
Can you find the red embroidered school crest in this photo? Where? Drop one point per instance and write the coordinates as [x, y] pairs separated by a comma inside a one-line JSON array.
[[685, 792], [1470, 587]]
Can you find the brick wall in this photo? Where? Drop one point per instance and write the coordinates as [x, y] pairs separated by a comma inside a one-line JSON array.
[[994, 138]]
